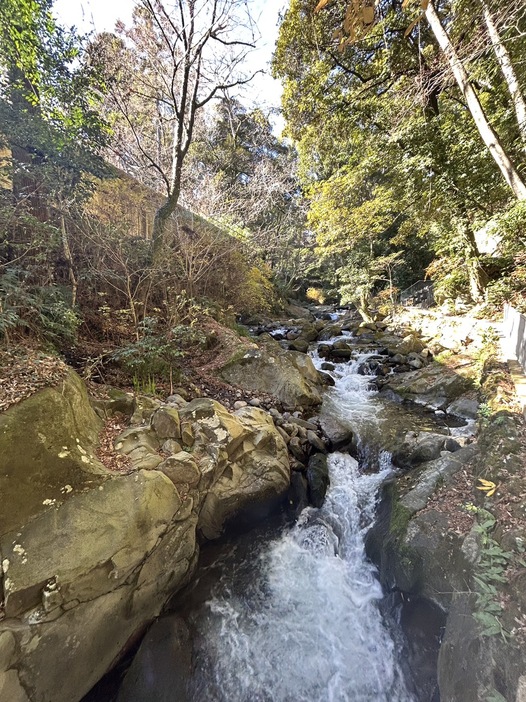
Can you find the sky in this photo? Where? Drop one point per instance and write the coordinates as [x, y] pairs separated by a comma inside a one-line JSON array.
[[101, 15]]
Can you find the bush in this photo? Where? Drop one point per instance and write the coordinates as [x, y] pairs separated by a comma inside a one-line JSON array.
[[510, 288], [38, 311], [451, 285], [153, 355], [315, 295]]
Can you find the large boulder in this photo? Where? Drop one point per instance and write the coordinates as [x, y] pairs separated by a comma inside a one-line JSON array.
[[288, 375], [93, 556], [242, 457], [47, 449], [435, 386]]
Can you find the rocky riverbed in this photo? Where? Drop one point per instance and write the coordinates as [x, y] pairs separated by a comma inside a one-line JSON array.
[[90, 555]]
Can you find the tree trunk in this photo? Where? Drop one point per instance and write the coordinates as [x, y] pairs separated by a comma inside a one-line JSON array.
[[69, 260], [478, 278], [506, 66], [362, 303], [487, 133]]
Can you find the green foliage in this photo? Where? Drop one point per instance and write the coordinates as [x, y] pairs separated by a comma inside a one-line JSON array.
[[484, 410], [48, 102], [37, 310], [389, 155], [257, 293], [144, 386], [315, 295], [153, 354], [451, 285], [490, 575]]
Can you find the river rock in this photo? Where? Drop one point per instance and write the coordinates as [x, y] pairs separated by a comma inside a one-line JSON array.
[[177, 400], [309, 332], [419, 448], [296, 311], [89, 557], [166, 423], [145, 406], [297, 497], [162, 666], [340, 436], [341, 344], [439, 470], [329, 332], [465, 407], [317, 478], [297, 450], [141, 445], [343, 354], [290, 376], [435, 386], [10, 688], [315, 441], [299, 345], [181, 468], [326, 379]]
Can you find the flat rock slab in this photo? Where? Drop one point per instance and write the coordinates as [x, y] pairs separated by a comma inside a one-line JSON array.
[[288, 375], [442, 468], [435, 386]]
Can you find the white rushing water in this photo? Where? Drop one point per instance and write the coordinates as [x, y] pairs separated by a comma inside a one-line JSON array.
[[303, 625], [307, 628]]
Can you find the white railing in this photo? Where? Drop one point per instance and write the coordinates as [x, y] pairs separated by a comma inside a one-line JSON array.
[[514, 334]]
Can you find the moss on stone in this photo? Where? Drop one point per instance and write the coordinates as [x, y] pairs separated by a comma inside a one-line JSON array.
[[47, 447]]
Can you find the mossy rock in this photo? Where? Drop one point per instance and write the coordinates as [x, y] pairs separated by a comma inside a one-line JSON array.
[[47, 447], [288, 375]]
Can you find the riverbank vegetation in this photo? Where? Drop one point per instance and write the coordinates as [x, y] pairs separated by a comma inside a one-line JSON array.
[[143, 203]]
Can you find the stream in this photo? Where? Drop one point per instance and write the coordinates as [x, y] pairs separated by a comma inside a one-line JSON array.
[[294, 612], [300, 622]]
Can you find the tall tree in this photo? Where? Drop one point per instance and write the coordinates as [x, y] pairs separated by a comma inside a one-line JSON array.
[[488, 134], [506, 65], [178, 58], [358, 21]]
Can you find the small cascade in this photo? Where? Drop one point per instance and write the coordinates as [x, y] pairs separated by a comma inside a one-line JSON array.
[[300, 621], [303, 625]]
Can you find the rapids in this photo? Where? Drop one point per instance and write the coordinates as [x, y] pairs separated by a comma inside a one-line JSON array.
[[299, 619], [303, 624]]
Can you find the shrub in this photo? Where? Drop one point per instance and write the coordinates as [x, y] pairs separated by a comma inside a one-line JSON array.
[[38, 311], [153, 355], [315, 295]]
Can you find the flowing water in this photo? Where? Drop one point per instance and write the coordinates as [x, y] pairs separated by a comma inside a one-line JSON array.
[[296, 618], [304, 625]]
